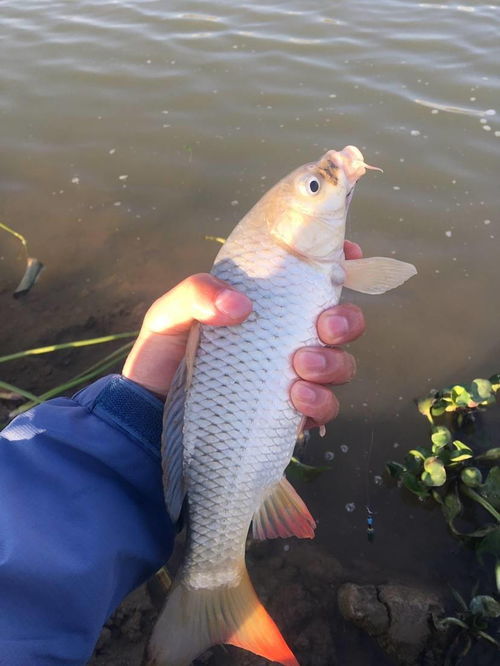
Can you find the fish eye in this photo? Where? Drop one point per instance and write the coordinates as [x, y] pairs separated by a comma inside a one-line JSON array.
[[312, 185]]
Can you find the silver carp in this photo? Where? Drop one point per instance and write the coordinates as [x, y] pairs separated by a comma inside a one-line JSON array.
[[230, 428]]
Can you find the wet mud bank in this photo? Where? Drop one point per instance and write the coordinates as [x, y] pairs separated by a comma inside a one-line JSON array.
[[327, 618]]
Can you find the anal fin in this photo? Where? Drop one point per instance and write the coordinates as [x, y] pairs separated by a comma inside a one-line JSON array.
[[283, 514]]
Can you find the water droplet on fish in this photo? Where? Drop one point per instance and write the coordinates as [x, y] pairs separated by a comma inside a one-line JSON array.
[[350, 507], [344, 448], [329, 456], [377, 480]]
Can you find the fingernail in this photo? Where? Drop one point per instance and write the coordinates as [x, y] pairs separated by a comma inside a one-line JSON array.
[[314, 360], [338, 326], [304, 393], [233, 304]]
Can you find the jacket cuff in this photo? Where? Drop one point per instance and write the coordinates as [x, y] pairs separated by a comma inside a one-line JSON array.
[[125, 405]]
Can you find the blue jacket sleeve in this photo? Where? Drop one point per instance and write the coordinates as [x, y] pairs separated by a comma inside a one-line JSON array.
[[82, 519]]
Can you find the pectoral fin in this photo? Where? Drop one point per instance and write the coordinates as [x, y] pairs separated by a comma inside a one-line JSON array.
[[283, 514], [376, 275]]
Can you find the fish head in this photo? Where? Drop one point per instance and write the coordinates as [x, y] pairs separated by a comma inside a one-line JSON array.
[[313, 202]]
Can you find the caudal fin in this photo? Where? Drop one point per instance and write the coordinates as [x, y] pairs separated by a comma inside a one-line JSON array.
[[194, 619]]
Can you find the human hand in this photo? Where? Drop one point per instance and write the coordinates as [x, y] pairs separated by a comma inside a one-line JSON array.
[[161, 343]]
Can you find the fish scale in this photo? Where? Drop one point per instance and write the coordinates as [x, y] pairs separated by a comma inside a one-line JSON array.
[[251, 414]]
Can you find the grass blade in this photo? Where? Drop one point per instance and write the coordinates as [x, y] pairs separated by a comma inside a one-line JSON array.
[[16, 389], [68, 345]]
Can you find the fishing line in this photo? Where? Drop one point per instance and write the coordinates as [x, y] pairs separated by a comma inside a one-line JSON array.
[[370, 517]]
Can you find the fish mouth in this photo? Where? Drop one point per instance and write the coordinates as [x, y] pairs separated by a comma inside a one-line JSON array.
[[351, 161]]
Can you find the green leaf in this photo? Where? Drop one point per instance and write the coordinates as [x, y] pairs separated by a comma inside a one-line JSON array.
[[495, 382], [460, 396], [458, 456], [471, 476], [460, 446], [395, 469], [485, 606], [490, 489], [490, 543], [490, 455], [424, 406], [481, 390], [413, 484], [302, 472], [414, 460], [451, 507], [435, 472], [440, 437], [438, 408]]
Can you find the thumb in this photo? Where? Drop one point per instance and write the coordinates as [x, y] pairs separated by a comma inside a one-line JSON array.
[[200, 297]]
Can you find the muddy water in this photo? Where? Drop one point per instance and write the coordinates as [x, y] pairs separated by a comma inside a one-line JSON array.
[[132, 129]]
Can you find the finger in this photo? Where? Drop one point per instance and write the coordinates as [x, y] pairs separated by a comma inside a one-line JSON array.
[[340, 324], [324, 366], [352, 250], [200, 297], [314, 401]]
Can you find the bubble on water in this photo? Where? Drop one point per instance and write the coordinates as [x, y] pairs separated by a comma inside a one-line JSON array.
[[483, 121], [124, 176], [415, 132], [332, 95], [434, 111], [472, 99], [497, 133], [487, 128], [395, 445], [75, 180], [490, 112], [448, 233], [329, 456], [396, 187], [235, 202], [350, 507], [117, 203], [344, 448], [112, 151], [487, 221], [286, 547], [378, 480]]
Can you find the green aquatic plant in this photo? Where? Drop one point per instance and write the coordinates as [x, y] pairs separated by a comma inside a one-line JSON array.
[[453, 473], [472, 623]]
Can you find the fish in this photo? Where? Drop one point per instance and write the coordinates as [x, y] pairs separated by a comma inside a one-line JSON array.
[[229, 425]]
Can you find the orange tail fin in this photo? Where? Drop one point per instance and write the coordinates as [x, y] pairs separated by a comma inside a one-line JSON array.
[[194, 619]]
